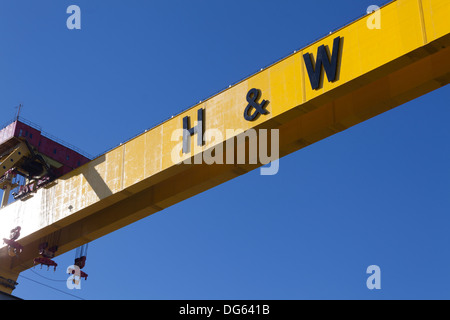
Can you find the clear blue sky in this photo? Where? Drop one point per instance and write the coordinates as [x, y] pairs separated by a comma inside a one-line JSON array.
[[377, 193]]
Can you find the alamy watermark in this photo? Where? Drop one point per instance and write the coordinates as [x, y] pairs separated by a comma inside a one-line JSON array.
[[374, 280], [74, 20], [74, 280], [374, 20], [234, 146]]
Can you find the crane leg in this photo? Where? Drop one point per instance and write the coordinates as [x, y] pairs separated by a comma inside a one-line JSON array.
[[8, 281]]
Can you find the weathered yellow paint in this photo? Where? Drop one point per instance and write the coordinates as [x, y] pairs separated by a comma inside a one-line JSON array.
[[436, 15], [379, 70]]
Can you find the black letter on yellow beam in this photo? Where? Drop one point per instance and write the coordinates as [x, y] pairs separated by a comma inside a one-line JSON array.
[[323, 60], [188, 131]]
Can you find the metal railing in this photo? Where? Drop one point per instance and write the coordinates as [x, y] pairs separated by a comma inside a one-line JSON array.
[[48, 135]]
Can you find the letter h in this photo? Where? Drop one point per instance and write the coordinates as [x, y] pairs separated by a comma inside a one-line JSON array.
[[188, 131]]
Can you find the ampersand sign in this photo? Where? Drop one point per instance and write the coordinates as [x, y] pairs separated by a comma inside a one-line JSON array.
[[252, 99]]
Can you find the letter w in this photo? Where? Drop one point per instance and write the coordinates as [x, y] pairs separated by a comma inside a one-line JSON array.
[[323, 60]]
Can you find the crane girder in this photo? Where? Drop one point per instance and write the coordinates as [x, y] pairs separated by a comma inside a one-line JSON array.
[[363, 72]]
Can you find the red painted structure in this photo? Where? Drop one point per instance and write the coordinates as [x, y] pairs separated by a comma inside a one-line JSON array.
[[67, 157]]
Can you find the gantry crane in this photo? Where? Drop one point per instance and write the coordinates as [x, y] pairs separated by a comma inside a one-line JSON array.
[[343, 79]]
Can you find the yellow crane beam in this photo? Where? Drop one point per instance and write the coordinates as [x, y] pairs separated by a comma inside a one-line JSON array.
[[347, 77]]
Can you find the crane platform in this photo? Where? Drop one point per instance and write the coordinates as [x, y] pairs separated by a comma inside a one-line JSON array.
[[368, 72]]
